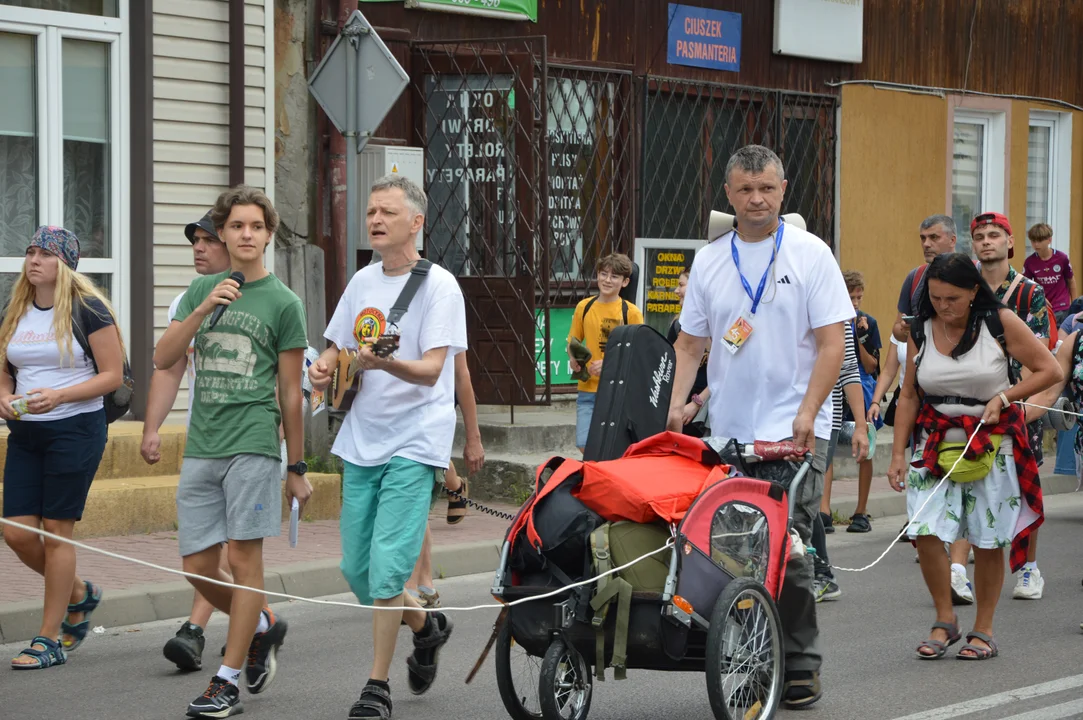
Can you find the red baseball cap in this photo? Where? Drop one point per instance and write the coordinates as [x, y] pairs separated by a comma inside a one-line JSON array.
[[993, 218]]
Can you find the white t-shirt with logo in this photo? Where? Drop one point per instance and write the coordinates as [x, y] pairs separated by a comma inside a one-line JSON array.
[[755, 393], [191, 354], [391, 417], [34, 353]]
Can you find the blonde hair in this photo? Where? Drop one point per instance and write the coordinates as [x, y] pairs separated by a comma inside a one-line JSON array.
[[70, 286]]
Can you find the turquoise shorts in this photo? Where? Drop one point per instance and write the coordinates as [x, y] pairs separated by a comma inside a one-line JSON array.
[[385, 510]]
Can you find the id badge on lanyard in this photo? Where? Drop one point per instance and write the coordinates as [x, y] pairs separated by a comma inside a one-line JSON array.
[[742, 327]]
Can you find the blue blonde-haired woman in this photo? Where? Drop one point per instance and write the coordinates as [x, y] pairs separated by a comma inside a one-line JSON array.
[[51, 397]]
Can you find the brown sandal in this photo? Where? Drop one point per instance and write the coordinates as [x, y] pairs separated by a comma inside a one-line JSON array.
[[456, 504]]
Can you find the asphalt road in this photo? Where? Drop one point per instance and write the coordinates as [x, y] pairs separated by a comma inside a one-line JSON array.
[[869, 640]]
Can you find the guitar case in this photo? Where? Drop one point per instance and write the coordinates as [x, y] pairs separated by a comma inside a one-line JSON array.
[[633, 392]]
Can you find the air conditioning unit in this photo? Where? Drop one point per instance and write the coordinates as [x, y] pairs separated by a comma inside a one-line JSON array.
[[379, 160]]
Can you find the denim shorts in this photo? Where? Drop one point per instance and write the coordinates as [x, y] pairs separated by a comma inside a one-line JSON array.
[[50, 465], [385, 510], [584, 411]]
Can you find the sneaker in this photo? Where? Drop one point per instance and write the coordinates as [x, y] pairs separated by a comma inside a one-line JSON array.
[[859, 524], [186, 649], [1029, 586], [428, 601], [220, 700], [262, 654], [829, 525], [826, 590], [962, 592]]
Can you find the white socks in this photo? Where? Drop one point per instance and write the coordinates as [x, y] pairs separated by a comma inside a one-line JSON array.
[[1031, 566], [230, 674], [961, 569], [264, 623]]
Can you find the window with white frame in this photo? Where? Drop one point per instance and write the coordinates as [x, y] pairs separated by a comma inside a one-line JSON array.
[[63, 133], [977, 169], [1049, 174]]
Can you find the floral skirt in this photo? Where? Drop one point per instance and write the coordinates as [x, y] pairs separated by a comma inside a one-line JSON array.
[[988, 513]]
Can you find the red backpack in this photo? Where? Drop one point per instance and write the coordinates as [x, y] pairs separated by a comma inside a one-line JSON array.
[[1020, 301]]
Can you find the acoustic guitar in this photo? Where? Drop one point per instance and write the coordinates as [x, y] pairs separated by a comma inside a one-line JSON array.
[[346, 377]]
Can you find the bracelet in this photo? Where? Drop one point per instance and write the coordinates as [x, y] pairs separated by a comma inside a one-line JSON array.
[[874, 402], [697, 400], [1003, 399]]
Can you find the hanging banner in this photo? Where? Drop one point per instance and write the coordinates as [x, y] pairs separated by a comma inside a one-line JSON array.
[[499, 9], [705, 38]]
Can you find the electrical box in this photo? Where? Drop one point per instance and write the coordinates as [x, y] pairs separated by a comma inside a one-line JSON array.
[[379, 160]]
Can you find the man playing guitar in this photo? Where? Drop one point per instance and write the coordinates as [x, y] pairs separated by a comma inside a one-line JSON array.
[[395, 441]]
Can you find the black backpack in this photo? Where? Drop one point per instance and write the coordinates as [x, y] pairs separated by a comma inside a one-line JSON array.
[[119, 402]]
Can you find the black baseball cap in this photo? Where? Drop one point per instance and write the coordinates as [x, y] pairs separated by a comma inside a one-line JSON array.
[[204, 223]]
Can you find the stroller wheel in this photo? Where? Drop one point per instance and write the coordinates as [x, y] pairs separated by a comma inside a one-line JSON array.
[[517, 675], [564, 683], [744, 653]]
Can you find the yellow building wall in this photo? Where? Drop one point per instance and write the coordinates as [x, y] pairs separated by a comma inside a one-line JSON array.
[[895, 172], [893, 165]]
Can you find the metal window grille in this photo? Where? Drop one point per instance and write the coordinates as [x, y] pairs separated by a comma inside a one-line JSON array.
[[690, 129]]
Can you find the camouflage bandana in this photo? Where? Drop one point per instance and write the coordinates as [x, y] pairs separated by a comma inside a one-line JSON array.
[[59, 242]]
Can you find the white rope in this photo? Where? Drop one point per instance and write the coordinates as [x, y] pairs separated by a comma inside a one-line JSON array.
[[286, 596], [1043, 407], [896, 539], [488, 606]]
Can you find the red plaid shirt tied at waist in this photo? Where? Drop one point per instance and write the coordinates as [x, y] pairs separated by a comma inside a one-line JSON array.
[[1011, 425]]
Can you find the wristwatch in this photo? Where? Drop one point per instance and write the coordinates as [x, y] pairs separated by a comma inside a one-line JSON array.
[[298, 468]]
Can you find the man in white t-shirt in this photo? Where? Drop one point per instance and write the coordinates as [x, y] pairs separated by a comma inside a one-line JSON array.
[[772, 302], [210, 257], [395, 441]]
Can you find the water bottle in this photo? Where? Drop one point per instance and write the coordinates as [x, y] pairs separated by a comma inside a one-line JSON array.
[[20, 407]]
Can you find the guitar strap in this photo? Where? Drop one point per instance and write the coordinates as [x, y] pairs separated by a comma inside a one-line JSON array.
[[402, 304]]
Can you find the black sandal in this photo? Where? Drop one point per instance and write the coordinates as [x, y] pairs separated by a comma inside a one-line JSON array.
[[456, 504], [422, 664], [801, 689], [374, 699]]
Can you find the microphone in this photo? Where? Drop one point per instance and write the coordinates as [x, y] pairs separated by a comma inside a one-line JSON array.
[[237, 277]]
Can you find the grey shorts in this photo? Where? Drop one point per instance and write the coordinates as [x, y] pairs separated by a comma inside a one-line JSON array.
[[235, 498]]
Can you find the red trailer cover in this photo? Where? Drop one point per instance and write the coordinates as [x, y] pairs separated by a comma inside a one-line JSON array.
[[657, 478]]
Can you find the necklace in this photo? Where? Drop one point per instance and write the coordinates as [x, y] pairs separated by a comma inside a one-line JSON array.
[[747, 239], [388, 271], [944, 330]]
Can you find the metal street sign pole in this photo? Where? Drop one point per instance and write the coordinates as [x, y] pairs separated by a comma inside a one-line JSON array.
[[353, 33]]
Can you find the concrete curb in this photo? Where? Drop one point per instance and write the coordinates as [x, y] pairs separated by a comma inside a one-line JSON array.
[[20, 621], [887, 504]]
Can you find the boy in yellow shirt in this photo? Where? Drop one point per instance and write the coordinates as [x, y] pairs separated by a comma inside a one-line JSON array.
[[594, 318]]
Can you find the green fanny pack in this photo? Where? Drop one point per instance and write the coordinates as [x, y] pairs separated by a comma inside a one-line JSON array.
[[967, 470]]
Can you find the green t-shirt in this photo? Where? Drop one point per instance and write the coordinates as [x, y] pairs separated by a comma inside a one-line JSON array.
[[234, 410]]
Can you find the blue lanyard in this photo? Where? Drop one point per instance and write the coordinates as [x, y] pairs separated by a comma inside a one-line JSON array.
[[763, 280]]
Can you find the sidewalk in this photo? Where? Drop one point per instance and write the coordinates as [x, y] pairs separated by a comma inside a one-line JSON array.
[[135, 594]]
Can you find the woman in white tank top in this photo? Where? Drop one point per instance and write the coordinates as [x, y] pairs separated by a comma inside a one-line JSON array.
[[958, 364]]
